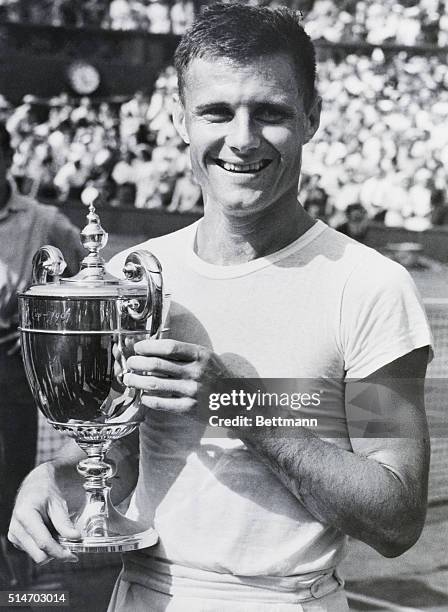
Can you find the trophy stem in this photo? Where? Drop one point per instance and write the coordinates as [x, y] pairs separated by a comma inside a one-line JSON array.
[[93, 518], [102, 527]]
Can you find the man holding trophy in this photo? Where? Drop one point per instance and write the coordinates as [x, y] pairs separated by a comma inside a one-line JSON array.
[[256, 519]]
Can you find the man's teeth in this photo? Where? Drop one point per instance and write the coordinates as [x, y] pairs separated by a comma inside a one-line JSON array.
[[243, 167]]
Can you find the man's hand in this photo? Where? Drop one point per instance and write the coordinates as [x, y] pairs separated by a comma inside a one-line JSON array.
[[41, 510], [173, 375]]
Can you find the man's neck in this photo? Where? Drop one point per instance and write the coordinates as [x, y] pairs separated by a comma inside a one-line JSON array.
[[226, 240]]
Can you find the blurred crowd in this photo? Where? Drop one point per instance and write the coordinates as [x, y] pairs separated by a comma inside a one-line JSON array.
[[383, 141], [130, 152], [156, 16], [404, 22]]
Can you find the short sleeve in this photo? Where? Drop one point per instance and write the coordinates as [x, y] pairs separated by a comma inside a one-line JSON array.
[[382, 317]]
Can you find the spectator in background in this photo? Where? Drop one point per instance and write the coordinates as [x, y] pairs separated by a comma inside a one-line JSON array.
[[158, 14], [72, 177], [84, 113], [357, 223], [160, 109], [439, 207], [145, 177], [94, 13], [68, 13], [25, 226], [315, 203], [164, 159], [187, 196], [133, 119], [101, 178], [420, 193], [181, 14], [120, 15], [21, 121]]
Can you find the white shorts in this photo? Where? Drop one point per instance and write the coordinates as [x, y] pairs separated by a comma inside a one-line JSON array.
[[197, 593]]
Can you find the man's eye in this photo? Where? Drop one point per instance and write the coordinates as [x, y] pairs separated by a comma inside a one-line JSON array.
[[270, 116], [217, 115]]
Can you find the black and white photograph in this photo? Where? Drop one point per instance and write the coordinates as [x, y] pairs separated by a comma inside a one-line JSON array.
[[224, 305]]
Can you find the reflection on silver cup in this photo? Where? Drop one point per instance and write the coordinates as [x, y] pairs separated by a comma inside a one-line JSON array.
[[73, 333]]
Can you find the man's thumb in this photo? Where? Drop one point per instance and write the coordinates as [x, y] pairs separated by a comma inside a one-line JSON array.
[[58, 514]]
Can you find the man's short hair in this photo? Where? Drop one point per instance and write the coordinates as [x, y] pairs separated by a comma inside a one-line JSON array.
[[242, 33]]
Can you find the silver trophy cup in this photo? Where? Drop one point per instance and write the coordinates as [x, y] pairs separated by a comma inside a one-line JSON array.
[[73, 333]]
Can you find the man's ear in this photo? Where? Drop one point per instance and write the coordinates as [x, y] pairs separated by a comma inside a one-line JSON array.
[[179, 118], [313, 118]]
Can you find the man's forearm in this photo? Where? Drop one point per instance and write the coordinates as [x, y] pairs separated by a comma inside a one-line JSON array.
[[359, 496]]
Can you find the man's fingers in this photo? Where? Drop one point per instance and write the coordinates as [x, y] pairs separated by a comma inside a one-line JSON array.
[[170, 349], [29, 526], [40, 547], [163, 386], [158, 365], [168, 404], [22, 540]]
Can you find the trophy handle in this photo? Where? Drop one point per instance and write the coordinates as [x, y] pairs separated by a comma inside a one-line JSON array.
[[48, 261], [143, 265]]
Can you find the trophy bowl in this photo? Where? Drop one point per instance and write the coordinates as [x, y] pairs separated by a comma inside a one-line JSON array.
[[73, 330]]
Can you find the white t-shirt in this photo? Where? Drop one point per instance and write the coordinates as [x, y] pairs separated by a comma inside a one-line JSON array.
[[323, 307]]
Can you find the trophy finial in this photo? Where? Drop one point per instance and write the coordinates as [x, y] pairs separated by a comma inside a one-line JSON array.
[[93, 237]]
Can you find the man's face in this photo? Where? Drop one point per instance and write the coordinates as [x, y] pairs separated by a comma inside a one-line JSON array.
[[246, 126]]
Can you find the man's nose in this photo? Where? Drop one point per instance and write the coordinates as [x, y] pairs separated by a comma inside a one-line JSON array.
[[242, 135]]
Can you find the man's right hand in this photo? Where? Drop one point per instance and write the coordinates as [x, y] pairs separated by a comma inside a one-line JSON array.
[[39, 514]]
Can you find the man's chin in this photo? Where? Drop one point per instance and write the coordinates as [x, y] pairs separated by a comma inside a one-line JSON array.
[[242, 207]]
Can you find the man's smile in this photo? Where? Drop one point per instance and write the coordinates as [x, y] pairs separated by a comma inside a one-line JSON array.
[[240, 168]]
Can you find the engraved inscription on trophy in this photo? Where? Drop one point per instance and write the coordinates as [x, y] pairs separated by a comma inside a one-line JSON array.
[[53, 318]]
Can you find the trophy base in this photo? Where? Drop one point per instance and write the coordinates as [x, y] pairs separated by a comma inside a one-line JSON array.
[[117, 543]]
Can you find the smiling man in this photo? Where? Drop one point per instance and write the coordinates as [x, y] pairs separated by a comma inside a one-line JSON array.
[[246, 125], [256, 520]]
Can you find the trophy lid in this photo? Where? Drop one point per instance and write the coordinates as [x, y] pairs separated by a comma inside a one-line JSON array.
[[92, 281]]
